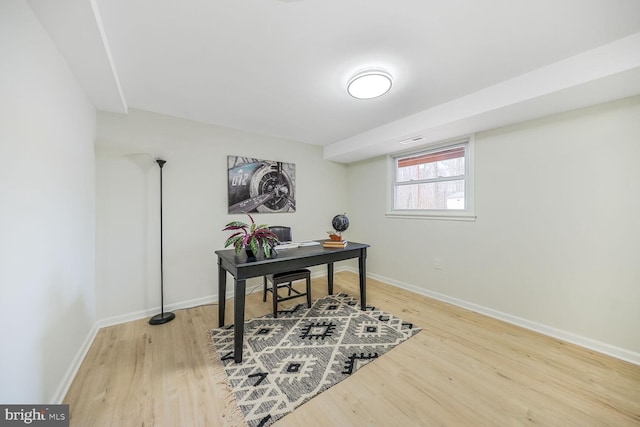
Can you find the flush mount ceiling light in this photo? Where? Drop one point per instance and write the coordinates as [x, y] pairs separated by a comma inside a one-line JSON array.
[[369, 84]]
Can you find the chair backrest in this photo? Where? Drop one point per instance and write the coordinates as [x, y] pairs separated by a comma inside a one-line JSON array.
[[283, 233]]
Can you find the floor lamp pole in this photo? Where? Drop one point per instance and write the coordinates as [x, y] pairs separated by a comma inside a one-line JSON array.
[[163, 317]]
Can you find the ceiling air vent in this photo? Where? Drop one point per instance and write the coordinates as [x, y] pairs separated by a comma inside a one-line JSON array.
[[412, 140]]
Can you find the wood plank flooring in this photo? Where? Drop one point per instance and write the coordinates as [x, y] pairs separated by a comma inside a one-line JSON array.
[[463, 369]]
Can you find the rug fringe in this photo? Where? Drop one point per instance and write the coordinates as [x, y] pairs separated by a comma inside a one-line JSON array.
[[232, 413]]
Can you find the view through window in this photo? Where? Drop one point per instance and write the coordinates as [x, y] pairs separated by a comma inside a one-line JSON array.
[[431, 180]]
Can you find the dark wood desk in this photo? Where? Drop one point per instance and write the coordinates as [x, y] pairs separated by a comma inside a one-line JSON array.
[[286, 260]]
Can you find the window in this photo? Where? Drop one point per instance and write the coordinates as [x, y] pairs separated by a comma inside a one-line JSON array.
[[434, 183]]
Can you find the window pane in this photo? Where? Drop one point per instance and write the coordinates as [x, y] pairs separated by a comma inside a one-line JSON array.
[[440, 164], [434, 195]]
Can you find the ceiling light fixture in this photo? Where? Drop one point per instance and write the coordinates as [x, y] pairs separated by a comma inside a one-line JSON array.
[[369, 84]]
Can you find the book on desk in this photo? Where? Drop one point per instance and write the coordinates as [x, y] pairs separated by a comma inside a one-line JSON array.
[[334, 244], [293, 245], [340, 244]]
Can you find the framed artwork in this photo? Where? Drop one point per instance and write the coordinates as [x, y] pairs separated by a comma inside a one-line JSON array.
[[257, 185]]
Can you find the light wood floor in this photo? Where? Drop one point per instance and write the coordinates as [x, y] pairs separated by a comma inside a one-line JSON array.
[[463, 369]]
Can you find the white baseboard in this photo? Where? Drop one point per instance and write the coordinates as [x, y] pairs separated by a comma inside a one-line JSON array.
[[68, 377], [63, 388], [588, 343], [141, 314], [209, 299]]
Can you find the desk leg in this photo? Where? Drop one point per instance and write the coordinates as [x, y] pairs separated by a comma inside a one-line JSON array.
[[330, 278], [238, 315], [222, 295], [362, 267]]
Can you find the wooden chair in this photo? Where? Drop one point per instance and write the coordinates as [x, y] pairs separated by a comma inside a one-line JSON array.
[[285, 279]]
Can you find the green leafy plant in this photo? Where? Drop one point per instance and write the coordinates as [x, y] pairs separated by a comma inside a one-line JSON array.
[[251, 236]]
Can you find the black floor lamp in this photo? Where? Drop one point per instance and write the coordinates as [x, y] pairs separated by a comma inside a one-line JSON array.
[[163, 317]]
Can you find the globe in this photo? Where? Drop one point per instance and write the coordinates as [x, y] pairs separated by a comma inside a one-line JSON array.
[[340, 223]]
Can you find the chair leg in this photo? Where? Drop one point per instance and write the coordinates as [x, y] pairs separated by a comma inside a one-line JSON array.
[[308, 292], [264, 288], [274, 287]]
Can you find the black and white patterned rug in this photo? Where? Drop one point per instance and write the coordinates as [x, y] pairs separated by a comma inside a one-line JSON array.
[[291, 359]]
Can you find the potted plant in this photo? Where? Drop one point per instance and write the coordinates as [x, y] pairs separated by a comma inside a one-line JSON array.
[[252, 237]]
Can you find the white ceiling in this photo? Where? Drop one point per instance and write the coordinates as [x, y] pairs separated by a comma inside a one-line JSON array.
[[279, 67]]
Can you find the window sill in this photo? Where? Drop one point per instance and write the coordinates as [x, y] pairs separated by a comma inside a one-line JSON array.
[[433, 215]]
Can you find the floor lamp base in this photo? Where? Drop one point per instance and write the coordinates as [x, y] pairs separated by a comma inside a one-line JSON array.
[[162, 318]]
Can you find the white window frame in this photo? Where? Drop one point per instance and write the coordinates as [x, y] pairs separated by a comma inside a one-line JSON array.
[[466, 214]]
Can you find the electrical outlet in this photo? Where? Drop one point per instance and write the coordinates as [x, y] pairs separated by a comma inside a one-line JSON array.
[[438, 263]]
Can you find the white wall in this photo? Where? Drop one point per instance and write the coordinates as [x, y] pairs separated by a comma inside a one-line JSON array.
[[556, 244], [47, 212], [195, 206], [565, 259]]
